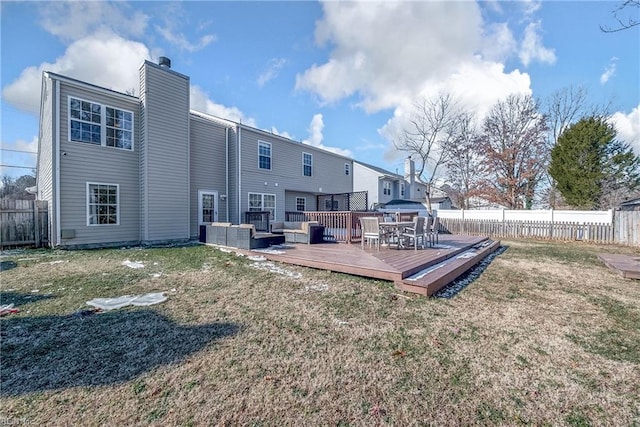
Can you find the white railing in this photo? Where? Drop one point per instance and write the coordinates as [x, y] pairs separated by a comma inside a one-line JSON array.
[[549, 215]]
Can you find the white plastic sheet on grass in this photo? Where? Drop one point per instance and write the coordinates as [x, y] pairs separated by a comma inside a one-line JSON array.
[[125, 300], [271, 267], [133, 264]]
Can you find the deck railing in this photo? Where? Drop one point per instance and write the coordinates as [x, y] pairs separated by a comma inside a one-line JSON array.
[[341, 226]]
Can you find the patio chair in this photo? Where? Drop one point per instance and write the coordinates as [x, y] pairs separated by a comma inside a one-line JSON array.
[[416, 232], [428, 223], [433, 231], [371, 230]]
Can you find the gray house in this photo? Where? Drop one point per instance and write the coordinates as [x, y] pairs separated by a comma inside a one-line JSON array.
[[118, 169]]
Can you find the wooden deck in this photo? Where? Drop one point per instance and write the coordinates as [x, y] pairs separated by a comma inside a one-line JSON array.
[[452, 257], [625, 265]]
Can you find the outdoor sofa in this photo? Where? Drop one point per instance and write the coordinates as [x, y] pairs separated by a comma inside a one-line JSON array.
[[243, 236], [295, 231]]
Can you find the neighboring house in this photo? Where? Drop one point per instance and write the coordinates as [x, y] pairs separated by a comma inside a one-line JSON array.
[[630, 205], [384, 186], [118, 169]]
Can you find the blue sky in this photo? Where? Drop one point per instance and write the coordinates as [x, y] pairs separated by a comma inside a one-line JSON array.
[[339, 75]]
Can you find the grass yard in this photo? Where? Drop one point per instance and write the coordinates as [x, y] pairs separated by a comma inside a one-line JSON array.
[[546, 336]]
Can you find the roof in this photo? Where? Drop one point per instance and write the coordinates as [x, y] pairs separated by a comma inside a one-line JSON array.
[[631, 202], [380, 170]]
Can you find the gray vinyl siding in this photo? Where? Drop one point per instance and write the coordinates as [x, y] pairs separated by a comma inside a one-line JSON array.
[[45, 168], [290, 203], [208, 166], [165, 150], [286, 172], [82, 162]]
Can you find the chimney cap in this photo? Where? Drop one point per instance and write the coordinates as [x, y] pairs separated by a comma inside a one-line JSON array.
[[164, 62]]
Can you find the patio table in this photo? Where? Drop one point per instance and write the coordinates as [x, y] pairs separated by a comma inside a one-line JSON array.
[[395, 227]]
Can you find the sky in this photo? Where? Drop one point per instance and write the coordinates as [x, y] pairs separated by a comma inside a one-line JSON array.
[[339, 75]]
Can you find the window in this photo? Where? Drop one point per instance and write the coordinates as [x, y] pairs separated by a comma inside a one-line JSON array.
[[264, 155], [386, 188], [402, 190], [301, 204], [102, 204], [331, 205], [347, 169], [263, 202], [119, 128], [100, 125], [307, 164]]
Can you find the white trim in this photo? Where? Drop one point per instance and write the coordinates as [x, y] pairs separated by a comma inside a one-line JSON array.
[[58, 239], [270, 155], [226, 176], [275, 202], [89, 183], [215, 205], [304, 199], [303, 164], [239, 213], [58, 78], [103, 124]]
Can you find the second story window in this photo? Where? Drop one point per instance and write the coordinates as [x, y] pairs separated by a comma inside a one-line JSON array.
[[386, 188], [307, 164], [402, 190], [347, 169], [264, 155], [98, 124]]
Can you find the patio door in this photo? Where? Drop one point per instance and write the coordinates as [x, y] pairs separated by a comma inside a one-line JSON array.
[[207, 206]]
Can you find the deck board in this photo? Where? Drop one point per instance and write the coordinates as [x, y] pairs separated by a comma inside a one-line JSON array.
[[388, 263], [626, 265]]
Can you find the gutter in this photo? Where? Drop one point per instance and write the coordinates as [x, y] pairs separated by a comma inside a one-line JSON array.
[[58, 237]]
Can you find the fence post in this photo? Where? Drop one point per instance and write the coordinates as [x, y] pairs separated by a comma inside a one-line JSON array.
[[36, 225]]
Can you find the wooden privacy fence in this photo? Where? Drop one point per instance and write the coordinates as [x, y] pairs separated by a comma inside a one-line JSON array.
[[24, 223], [596, 233], [627, 227]]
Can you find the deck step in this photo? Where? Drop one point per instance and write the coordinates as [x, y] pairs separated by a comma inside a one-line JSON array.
[[626, 265], [435, 277]]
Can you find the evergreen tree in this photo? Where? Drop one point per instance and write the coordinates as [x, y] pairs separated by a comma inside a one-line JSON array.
[[593, 169]]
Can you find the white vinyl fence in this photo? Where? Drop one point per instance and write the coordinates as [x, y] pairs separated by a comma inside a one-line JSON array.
[[549, 215]]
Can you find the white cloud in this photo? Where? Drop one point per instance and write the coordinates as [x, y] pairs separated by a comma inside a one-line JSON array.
[[628, 127], [609, 71], [532, 48], [315, 137], [382, 65], [103, 59], [283, 134], [175, 17], [201, 102], [271, 72], [74, 20], [498, 43]]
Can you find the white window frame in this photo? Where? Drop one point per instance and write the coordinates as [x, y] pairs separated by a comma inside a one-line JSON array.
[[402, 189], [305, 164], [270, 156], [304, 204], [272, 216], [103, 124], [88, 201], [200, 206], [386, 188], [347, 169]]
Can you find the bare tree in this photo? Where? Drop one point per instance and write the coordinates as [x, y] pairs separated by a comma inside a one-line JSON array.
[[515, 150], [623, 23], [428, 137], [464, 165]]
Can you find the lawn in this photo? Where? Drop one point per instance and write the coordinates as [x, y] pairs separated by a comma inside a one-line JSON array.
[[547, 336]]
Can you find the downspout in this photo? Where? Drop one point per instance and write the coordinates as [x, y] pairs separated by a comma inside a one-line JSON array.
[[226, 176], [239, 173], [58, 240]]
